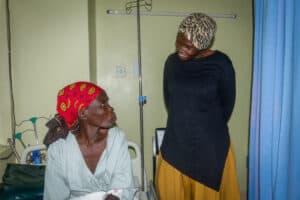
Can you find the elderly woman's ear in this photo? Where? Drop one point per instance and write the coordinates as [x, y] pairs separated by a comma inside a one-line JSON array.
[[82, 114]]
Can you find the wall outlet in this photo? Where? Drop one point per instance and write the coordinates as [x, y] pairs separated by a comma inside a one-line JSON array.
[[120, 71]]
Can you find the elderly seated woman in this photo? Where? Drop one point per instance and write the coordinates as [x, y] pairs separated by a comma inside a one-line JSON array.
[[87, 153]]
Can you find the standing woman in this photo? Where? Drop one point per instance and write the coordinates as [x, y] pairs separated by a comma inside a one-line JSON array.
[[197, 159], [87, 154]]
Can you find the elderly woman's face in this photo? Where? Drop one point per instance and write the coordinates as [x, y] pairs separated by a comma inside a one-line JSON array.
[[100, 113], [184, 47]]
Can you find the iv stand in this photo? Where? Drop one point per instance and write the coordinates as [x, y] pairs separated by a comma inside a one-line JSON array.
[[142, 99]]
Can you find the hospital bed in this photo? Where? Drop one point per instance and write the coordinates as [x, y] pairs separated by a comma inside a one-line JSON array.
[[26, 179]]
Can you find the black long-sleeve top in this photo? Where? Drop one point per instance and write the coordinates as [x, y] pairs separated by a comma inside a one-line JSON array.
[[199, 97]]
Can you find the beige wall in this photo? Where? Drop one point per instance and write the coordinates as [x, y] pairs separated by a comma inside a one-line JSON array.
[[117, 46], [5, 130], [51, 48]]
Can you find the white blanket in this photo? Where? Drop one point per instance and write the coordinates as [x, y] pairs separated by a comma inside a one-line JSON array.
[[99, 195]]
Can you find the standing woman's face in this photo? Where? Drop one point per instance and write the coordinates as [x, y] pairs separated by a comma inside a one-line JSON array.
[[184, 47], [100, 113]]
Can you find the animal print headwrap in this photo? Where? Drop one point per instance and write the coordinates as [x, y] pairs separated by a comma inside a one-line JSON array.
[[75, 97], [199, 28]]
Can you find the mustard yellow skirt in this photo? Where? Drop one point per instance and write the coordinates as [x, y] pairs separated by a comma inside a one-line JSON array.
[[171, 184]]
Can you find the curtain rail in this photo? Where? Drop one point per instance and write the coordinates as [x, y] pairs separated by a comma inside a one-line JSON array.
[[164, 13]]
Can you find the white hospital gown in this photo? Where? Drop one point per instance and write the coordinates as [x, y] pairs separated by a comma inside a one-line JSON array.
[[68, 176]]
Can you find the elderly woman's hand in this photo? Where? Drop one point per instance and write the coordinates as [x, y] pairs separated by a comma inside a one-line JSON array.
[[111, 197]]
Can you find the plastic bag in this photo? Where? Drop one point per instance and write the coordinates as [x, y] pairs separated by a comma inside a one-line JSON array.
[[23, 182]]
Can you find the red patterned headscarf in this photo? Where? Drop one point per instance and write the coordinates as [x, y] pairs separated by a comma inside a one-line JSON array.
[[75, 97]]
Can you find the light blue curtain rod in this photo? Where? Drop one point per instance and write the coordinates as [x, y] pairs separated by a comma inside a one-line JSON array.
[[162, 13]]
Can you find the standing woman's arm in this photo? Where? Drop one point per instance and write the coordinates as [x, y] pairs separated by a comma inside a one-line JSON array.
[[227, 89], [165, 83]]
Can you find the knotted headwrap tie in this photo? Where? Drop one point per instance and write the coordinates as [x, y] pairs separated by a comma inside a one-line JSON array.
[[75, 97]]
